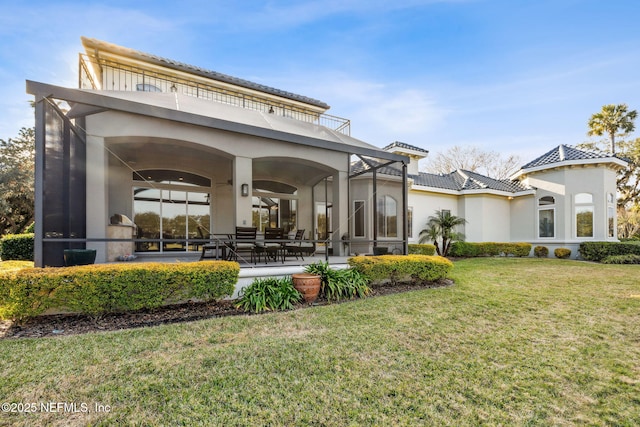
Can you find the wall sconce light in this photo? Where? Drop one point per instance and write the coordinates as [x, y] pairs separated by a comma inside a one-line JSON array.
[[271, 110], [174, 88], [244, 190]]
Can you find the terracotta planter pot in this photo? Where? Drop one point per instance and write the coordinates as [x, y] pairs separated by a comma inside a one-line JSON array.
[[308, 285]]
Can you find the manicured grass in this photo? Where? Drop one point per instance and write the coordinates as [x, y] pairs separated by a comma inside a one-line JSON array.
[[514, 342]]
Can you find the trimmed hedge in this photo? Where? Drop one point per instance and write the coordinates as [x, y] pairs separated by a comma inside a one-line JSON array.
[[17, 247], [622, 259], [97, 289], [401, 267], [421, 249], [469, 249], [562, 253], [541, 251], [597, 251]]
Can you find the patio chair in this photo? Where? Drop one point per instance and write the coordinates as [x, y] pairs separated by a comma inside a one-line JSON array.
[[299, 247], [270, 248], [245, 241], [216, 247]]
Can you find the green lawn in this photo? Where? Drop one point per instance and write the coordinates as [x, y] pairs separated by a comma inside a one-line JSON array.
[[513, 342]]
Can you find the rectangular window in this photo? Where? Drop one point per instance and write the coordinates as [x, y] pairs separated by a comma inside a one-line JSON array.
[[358, 218], [584, 221], [546, 223]]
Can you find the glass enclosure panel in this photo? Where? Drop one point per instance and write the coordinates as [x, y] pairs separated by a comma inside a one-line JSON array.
[[584, 221], [274, 212], [170, 214], [546, 222], [146, 208], [174, 219]]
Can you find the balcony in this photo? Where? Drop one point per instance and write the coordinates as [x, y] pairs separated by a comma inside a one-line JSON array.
[[123, 77]]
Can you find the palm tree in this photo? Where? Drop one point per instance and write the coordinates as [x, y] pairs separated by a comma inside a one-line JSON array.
[[611, 119], [442, 226]]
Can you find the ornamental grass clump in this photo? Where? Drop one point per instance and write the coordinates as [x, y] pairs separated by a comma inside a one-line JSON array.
[[339, 284], [270, 293]]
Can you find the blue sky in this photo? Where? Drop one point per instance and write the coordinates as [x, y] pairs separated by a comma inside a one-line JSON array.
[[513, 76]]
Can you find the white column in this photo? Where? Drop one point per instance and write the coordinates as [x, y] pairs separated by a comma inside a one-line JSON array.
[[243, 174], [340, 210], [97, 199]]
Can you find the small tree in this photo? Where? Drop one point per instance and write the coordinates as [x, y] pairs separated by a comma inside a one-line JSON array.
[[16, 182], [442, 226]]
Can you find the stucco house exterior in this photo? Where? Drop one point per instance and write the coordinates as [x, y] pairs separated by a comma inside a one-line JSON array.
[[186, 152]]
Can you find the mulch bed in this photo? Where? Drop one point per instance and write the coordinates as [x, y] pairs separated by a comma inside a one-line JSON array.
[[73, 324]]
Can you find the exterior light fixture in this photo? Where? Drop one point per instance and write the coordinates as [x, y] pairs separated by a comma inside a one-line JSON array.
[[244, 190], [271, 110], [174, 88]]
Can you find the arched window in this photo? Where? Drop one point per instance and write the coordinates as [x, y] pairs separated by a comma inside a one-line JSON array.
[[546, 217], [387, 217], [584, 214]]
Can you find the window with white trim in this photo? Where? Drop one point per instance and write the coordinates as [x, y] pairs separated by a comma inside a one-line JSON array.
[[584, 215], [358, 218], [387, 217], [546, 217], [611, 215]]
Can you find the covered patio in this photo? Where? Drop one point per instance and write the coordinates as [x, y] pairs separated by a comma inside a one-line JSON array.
[[182, 169]]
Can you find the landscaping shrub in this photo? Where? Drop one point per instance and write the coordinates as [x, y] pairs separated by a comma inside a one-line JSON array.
[[421, 249], [562, 253], [97, 289], [477, 249], [622, 259], [541, 251], [339, 284], [400, 267], [597, 251], [17, 247], [269, 294]]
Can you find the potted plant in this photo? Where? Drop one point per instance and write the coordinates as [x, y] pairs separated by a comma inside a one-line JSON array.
[[308, 285]]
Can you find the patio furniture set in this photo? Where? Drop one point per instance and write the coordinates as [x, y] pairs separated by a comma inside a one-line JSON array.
[[274, 245]]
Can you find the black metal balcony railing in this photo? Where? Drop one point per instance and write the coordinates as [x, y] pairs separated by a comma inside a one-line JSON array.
[[116, 76]]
